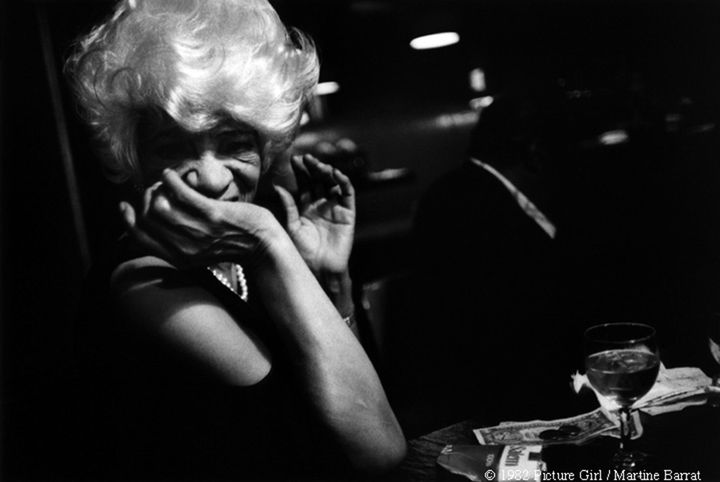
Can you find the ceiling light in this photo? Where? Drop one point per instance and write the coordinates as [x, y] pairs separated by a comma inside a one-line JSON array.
[[435, 40], [611, 138], [477, 80], [326, 88], [481, 102]]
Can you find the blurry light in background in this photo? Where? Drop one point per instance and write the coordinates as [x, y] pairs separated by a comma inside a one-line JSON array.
[[325, 148], [346, 144], [456, 119], [307, 140], [435, 40], [479, 103], [477, 80], [612, 138], [702, 128], [304, 118], [326, 88]]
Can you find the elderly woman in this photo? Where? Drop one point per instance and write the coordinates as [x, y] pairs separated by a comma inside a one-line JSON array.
[[192, 102]]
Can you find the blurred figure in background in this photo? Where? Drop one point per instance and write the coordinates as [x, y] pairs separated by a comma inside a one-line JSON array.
[[489, 327], [565, 215], [220, 343]]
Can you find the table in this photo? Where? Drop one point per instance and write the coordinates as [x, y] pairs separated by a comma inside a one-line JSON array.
[[684, 442]]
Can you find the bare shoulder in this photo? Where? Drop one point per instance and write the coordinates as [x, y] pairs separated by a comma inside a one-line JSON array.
[[166, 304], [138, 272]]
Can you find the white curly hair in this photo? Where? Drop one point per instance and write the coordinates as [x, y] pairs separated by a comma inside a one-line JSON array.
[[198, 61]]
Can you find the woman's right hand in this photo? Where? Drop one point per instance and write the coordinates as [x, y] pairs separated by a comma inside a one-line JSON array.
[[187, 229]]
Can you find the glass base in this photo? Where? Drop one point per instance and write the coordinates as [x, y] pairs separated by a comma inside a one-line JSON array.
[[630, 461]]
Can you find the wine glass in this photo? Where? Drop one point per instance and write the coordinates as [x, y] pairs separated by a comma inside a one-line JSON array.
[[622, 363]]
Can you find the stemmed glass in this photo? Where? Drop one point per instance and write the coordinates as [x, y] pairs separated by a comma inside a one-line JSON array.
[[622, 363]]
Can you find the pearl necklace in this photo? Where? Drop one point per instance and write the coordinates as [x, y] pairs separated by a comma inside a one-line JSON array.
[[237, 270]]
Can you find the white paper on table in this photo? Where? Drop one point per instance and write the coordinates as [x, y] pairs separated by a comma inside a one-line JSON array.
[[673, 407], [672, 386]]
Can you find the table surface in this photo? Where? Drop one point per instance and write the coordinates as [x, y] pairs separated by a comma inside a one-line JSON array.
[[685, 441]]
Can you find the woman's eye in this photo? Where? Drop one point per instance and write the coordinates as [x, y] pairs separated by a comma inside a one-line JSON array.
[[173, 150], [235, 146]]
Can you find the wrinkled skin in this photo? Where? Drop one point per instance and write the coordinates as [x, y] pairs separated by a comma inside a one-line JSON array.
[[198, 210]]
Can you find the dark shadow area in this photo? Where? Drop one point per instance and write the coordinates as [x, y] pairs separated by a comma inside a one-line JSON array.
[[645, 234]]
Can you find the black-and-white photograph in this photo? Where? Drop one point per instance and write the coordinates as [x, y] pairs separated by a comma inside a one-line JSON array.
[[360, 240]]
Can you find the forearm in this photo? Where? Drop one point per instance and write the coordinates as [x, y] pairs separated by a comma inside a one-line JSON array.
[[338, 288], [339, 378]]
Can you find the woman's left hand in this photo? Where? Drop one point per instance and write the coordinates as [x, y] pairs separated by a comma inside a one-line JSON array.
[[177, 223], [322, 223]]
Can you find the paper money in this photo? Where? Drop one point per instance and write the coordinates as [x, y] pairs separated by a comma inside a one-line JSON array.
[[675, 407], [574, 430]]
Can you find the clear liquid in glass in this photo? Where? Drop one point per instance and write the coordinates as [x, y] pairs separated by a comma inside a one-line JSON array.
[[623, 375]]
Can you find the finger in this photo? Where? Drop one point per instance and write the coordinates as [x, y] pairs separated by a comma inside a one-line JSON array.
[[190, 201], [302, 176], [165, 214], [291, 210], [148, 197], [347, 191], [179, 189], [168, 215], [321, 175], [335, 182], [141, 237], [128, 214], [317, 187], [175, 240], [162, 224]]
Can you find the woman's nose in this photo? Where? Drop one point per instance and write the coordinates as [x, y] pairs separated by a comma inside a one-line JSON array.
[[209, 176]]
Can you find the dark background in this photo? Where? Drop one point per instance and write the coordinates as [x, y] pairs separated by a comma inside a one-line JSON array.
[[404, 109]]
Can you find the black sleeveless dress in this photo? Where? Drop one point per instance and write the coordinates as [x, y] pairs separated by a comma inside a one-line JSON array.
[[133, 421]]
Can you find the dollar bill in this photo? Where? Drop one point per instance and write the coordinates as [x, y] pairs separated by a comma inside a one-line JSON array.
[[572, 430]]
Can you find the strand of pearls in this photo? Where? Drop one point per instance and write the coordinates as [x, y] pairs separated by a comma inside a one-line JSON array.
[[237, 271]]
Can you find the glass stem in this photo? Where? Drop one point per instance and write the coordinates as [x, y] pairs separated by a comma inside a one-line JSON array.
[[624, 427]]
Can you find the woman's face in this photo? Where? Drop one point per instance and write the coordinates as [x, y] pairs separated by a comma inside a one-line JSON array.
[[222, 163]]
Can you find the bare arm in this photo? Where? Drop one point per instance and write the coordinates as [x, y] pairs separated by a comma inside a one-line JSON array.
[[339, 379], [166, 304], [321, 224]]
